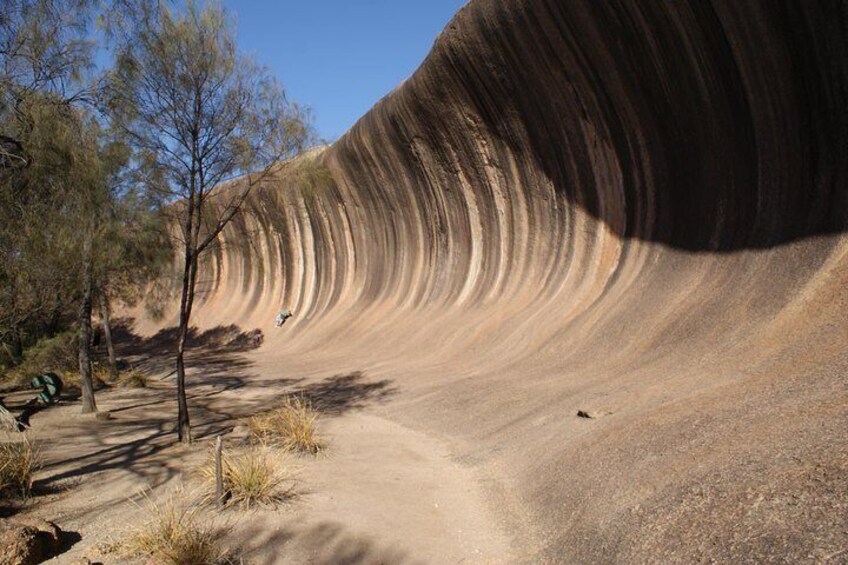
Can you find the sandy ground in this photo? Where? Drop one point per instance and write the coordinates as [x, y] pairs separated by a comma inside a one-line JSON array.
[[380, 493]]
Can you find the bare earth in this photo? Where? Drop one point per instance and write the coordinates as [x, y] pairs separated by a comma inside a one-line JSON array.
[[380, 493]]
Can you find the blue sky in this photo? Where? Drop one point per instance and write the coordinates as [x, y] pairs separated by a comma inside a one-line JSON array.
[[340, 56]]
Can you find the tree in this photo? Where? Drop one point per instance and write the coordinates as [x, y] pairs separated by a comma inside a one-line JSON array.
[[134, 248], [74, 230], [49, 173], [90, 198], [42, 53], [199, 115]]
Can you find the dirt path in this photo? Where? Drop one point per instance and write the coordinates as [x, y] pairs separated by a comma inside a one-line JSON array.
[[381, 494]]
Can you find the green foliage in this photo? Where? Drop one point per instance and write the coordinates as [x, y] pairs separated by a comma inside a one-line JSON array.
[[66, 199], [310, 175], [44, 47], [43, 204], [167, 61], [57, 354], [49, 171]]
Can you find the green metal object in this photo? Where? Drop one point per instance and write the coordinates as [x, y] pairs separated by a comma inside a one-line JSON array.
[[51, 386]]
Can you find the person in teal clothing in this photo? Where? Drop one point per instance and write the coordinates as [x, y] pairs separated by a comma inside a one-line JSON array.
[[282, 317]]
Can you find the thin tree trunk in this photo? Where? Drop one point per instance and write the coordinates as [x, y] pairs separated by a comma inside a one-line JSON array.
[[16, 348], [51, 328], [88, 403], [107, 335], [183, 420]]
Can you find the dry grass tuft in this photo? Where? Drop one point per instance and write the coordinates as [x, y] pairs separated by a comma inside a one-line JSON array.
[[100, 373], [133, 379], [257, 475], [8, 423], [175, 534], [19, 461], [292, 427], [99, 378]]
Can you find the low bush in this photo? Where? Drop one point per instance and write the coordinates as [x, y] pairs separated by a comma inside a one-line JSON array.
[[8, 423], [73, 380], [58, 354], [256, 475], [19, 461], [132, 379], [292, 427], [175, 533]]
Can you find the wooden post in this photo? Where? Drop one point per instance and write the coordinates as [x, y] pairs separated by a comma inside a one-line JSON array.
[[219, 473]]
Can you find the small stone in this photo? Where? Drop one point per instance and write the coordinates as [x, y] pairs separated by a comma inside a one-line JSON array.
[[592, 414]]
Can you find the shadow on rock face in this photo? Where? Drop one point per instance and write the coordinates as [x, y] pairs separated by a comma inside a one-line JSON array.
[[341, 393]]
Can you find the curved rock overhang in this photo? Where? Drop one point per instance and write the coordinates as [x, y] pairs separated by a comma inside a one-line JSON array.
[[631, 207]]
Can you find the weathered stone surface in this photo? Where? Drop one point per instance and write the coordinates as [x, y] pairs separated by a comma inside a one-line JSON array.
[[639, 203], [28, 541]]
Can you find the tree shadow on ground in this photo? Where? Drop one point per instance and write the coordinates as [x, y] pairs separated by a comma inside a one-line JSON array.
[[8, 508], [342, 393], [140, 437], [325, 542], [135, 448]]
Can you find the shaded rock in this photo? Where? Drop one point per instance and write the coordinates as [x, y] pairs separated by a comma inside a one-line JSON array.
[[27, 542]]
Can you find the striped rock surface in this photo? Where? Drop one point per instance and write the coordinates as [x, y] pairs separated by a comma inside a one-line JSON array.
[[635, 209]]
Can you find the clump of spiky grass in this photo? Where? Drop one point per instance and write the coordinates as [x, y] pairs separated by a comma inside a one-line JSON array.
[[133, 379], [100, 373], [99, 377], [175, 534], [8, 422], [19, 461], [256, 475], [292, 426]]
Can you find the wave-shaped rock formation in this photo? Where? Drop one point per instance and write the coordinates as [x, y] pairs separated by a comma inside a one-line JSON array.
[[631, 208]]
